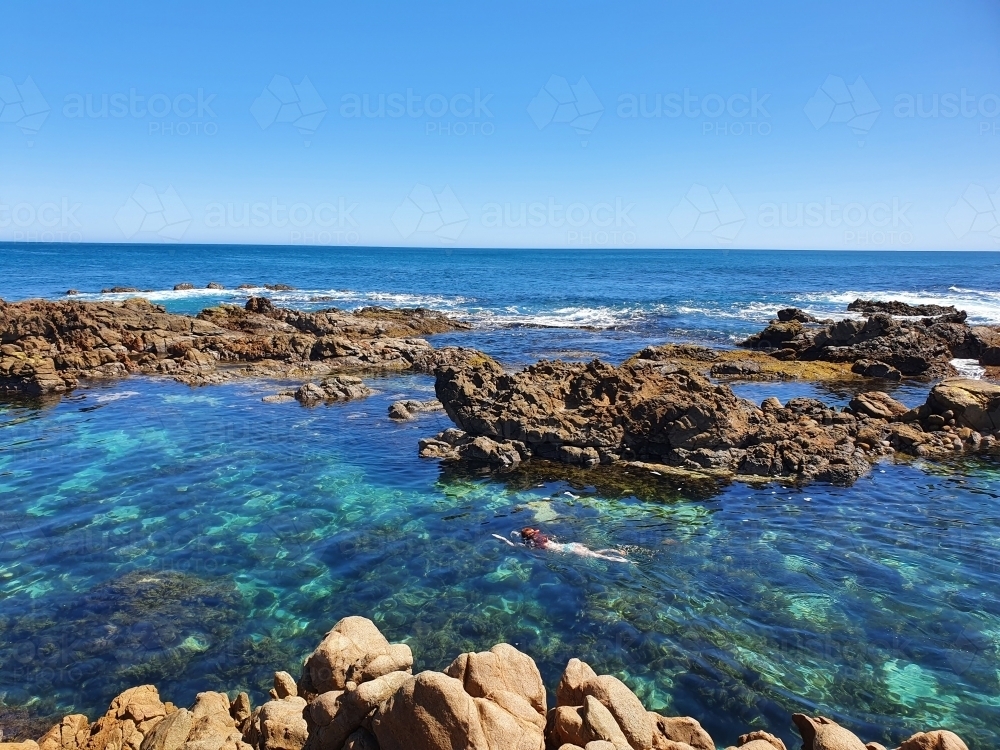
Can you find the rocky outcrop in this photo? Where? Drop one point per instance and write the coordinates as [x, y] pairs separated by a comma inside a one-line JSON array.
[[656, 412], [408, 409], [341, 388], [352, 697], [895, 307], [353, 651], [912, 347], [46, 347], [595, 413]]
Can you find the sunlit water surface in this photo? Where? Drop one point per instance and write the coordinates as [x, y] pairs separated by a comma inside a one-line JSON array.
[[201, 539]]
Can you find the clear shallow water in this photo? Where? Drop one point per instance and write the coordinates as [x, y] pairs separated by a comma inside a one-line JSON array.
[[198, 538]]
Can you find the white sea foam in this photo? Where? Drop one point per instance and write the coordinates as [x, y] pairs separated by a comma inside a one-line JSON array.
[[562, 317], [983, 306], [296, 296], [106, 398], [969, 368]]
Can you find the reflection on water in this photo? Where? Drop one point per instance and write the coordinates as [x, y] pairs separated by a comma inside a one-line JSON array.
[[200, 539]]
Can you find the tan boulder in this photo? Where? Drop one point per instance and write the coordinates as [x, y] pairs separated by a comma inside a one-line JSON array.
[[502, 668], [131, 716], [601, 745], [284, 685], [599, 724], [338, 714], [680, 729], [213, 727], [760, 736], [627, 709], [825, 734], [975, 403], [570, 690], [71, 733], [753, 745], [240, 709], [939, 739], [877, 404], [430, 712], [354, 645], [171, 733], [282, 724], [25, 745]]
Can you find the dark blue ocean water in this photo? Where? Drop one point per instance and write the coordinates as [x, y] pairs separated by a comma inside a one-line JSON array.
[[201, 539]]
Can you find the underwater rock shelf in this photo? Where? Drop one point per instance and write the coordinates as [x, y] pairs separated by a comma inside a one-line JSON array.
[[357, 692]]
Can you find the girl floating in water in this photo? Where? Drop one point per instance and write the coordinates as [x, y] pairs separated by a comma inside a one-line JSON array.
[[535, 539]]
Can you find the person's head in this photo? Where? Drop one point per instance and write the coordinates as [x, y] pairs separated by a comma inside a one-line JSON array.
[[528, 533]]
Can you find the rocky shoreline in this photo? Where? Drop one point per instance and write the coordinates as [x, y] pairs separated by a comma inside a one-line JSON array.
[[357, 691], [47, 347], [661, 411]]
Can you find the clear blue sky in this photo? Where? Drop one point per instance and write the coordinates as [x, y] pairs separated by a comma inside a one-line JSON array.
[[613, 125]]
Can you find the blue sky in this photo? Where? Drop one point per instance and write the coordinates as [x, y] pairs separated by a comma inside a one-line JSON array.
[[744, 125]]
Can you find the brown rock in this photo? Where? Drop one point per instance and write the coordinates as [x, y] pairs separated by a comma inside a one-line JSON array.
[[877, 404], [25, 745], [71, 733], [760, 736], [353, 645], [213, 727], [824, 734], [131, 716], [338, 714], [575, 677], [501, 669], [680, 729], [974, 403], [430, 712], [171, 733], [939, 739], [284, 685], [282, 725]]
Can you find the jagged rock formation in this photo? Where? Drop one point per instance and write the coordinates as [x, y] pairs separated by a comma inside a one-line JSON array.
[[895, 307], [882, 346], [46, 347], [357, 693], [662, 413]]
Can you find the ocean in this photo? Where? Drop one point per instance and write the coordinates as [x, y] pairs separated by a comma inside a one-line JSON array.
[[197, 538]]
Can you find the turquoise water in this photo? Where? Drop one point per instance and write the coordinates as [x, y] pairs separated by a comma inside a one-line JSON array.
[[201, 539]]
